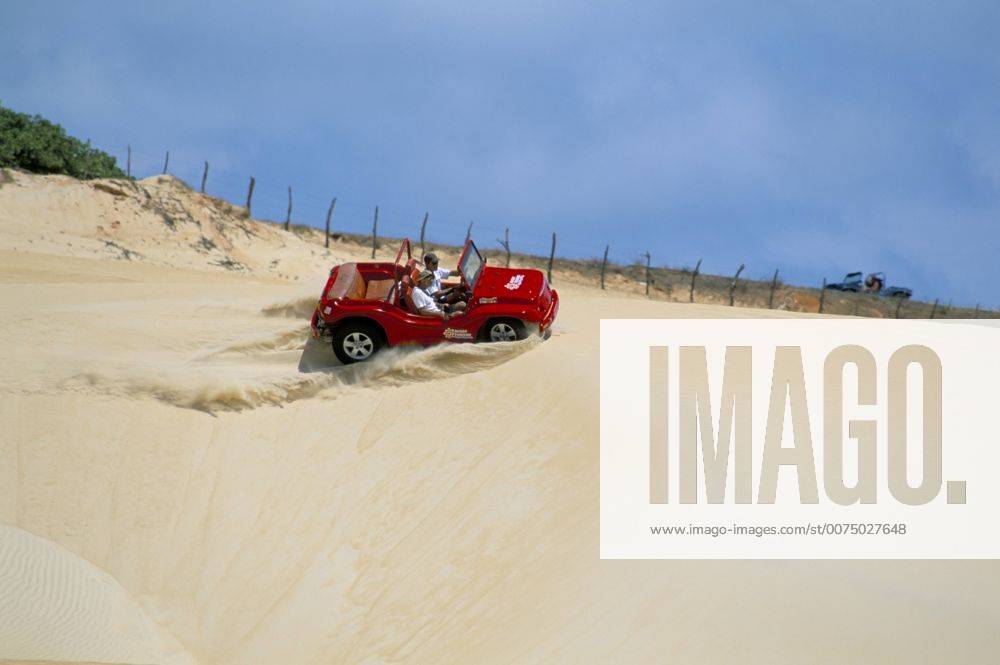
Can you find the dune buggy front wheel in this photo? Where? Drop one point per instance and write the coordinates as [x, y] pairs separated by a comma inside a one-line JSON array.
[[355, 342]]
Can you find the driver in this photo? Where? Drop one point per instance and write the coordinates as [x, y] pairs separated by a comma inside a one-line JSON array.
[[425, 304], [451, 294]]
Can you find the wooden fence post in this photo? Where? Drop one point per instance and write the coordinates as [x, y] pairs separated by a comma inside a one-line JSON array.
[[166, 163], [732, 286], [934, 308], [250, 194], [375, 233], [329, 216], [128, 162], [899, 304], [774, 285], [975, 314], [288, 215], [505, 243], [648, 279], [204, 178], [857, 304], [822, 295], [694, 276], [552, 256], [468, 232], [423, 227], [604, 264]]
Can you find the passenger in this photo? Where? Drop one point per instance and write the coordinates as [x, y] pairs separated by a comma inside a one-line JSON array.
[[445, 295], [425, 304]]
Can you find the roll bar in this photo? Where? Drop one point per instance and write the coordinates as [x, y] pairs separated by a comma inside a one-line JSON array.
[[409, 255]]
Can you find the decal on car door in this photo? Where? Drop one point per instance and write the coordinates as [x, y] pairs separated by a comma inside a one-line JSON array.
[[457, 333]]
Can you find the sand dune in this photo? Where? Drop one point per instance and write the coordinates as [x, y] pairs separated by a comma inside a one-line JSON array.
[[210, 487], [63, 608]]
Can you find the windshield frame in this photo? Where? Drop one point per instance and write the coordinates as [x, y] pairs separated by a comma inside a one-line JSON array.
[[463, 264]]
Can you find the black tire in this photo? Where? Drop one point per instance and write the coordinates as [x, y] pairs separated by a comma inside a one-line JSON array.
[[355, 342], [503, 330]]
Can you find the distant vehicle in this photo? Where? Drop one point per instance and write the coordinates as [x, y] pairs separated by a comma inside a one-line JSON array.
[[874, 283], [852, 282], [367, 306]]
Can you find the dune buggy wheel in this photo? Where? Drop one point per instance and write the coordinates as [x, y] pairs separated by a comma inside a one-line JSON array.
[[355, 342], [504, 330]]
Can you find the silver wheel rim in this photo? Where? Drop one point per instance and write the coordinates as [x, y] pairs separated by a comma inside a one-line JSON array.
[[502, 332], [358, 345]]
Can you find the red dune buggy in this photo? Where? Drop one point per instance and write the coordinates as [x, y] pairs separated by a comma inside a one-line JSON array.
[[367, 306]]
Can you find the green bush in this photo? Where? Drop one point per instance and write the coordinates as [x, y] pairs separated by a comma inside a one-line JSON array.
[[34, 144]]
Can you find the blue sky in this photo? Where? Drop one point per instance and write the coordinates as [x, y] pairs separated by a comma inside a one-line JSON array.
[[814, 137]]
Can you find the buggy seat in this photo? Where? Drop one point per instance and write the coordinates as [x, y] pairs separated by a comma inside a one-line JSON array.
[[407, 286], [350, 284]]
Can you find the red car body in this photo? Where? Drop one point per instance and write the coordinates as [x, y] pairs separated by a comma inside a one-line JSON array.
[[364, 306]]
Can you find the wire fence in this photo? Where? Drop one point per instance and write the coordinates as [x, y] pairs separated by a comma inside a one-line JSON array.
[[270, 200], [286, 202]]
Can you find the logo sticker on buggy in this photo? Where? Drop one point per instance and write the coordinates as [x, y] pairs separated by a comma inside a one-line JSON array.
[[487, 301], [457, 333], [514, 283]]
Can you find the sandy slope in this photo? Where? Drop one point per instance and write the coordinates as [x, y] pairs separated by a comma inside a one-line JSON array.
[[252, 502]]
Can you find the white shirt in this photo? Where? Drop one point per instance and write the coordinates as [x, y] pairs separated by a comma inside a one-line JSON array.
[[435, 286], [422, 301]]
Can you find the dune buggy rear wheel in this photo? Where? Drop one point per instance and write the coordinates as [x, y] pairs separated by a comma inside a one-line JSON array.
[[355, 342], [504, 330]]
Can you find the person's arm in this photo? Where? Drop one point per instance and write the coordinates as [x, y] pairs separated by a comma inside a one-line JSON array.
[[445, 274]]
